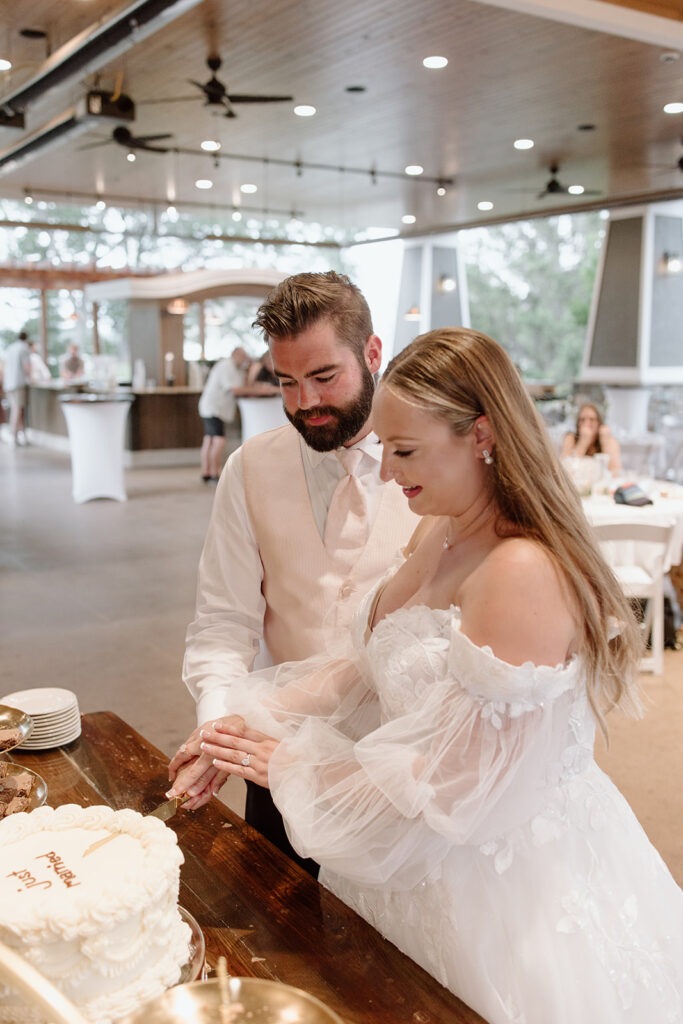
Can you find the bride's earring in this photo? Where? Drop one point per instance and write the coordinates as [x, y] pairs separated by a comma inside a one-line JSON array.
[[488, 458]]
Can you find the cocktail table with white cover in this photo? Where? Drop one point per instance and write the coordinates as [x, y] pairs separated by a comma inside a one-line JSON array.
[[662, 511], [96, 424], [260, 414]]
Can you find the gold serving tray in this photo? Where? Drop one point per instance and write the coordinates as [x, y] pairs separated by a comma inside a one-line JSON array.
[[251, 1001]]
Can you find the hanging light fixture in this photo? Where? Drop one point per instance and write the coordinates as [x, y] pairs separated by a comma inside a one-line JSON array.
[[177, 307], [413, 313]]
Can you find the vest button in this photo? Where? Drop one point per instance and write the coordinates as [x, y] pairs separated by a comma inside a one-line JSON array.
[[346, 590]]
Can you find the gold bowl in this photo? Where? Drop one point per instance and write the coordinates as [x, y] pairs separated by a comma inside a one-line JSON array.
[[251, 1001], [13, 719], [38, 794]]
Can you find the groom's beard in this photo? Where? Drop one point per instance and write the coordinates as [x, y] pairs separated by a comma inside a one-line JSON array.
[[348, 419]]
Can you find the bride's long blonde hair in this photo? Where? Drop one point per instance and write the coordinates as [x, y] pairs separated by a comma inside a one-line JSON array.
[[457, 375]]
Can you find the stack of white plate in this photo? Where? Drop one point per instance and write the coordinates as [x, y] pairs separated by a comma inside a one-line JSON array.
[[55, 714]]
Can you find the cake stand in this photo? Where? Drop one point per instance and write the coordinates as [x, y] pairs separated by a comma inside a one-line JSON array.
[[36, 991]]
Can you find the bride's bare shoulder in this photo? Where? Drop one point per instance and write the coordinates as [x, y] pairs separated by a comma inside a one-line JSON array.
[[518, 603]]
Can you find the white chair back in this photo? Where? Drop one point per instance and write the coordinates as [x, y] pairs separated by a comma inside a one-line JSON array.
[[637, 553]]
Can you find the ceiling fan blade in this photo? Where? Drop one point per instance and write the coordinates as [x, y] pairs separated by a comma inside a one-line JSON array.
[[142, 140], [246, 98], [167, 99], [151, 149], [94, 145], [200, 85], [591, 192]]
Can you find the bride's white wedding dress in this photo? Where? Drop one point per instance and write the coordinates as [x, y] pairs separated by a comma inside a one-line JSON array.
[[471, 826]]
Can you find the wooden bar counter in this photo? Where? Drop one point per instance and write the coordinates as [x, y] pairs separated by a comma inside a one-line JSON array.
[[255, 906]]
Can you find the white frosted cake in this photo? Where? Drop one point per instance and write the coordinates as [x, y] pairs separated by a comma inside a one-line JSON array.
[[104, 928]]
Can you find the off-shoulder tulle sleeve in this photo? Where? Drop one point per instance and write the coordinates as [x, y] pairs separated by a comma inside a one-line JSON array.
[[382, 802]]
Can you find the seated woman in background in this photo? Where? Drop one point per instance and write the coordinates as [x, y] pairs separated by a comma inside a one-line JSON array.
[[591, 437]]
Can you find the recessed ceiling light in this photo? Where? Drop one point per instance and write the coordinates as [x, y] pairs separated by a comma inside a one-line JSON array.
[[435, 62], [673, 108], [408, 218], [171, 210], [131, 158], [441, 191], [100, 204], [5, 65], [523, 143], [248, 188], [414, 169], [236, 215], [203, 183], [576, 190], [210, 145], [485, 204], [28, 199], [304, 110]]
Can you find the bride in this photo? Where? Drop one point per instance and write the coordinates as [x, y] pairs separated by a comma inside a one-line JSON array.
[[441, 771]]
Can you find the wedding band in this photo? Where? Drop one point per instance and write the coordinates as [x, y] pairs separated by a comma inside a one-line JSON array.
[[246, 760]]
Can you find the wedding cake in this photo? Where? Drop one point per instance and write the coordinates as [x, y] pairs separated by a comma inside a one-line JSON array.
[[96, 915]]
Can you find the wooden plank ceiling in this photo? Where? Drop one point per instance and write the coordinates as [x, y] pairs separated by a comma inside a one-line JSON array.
[[592, 103]]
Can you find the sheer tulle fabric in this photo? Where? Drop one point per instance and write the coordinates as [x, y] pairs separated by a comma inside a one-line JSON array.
[[453, 801]]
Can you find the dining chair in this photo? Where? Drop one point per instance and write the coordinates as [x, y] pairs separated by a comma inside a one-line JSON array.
[[636, 553]]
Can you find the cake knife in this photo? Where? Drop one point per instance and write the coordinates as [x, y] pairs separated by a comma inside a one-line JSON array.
[[168, 808], [163, 812]]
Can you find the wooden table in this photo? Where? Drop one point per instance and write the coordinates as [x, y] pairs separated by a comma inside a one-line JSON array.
[[255, 906]]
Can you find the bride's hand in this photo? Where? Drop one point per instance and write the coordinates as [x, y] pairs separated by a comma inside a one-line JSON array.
[[243, 752]]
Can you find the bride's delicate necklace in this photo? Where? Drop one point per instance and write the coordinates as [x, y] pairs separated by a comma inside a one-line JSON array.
[[446, 546]]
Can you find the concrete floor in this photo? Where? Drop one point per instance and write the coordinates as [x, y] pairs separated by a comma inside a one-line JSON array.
[[97, 597]]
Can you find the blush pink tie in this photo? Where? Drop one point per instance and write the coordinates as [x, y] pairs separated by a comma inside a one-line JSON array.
[[346, 528]]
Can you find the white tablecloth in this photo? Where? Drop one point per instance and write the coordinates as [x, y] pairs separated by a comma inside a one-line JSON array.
[[260, 414], [605, 510], [97, 428]]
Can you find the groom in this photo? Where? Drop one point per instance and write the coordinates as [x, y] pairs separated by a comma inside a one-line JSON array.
[[297, 535]]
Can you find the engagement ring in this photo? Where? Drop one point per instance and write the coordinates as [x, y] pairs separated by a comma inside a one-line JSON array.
[[246, 760]]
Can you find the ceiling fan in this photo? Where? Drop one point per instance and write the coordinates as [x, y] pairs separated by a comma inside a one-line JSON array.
[[124, 137], [215, 93], [554, 187]]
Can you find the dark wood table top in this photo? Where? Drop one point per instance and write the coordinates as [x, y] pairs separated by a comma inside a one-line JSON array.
[[255, 906]]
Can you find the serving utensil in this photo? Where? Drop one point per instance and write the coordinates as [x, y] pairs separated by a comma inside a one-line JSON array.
[[164, 811], [35, 989]]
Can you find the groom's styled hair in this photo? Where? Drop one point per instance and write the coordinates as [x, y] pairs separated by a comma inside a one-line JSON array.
[[299, 302]]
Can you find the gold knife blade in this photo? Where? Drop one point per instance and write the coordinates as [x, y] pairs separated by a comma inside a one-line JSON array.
[[163, 812], [168, 808]]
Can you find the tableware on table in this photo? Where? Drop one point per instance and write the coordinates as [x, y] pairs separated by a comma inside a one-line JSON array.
[[38, 794], [35, 990], [195, 967], [252, 1000], [15, 727], [55, 714]]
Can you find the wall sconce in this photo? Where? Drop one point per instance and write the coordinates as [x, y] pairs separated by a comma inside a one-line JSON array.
[[413, 313], [177, 307], [671, 263], [446, 283]]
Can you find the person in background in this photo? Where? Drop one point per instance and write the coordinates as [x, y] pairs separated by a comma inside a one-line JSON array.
[[71, 365], [591, 437], [301, 524], [261, 381], [441, 769], [16, 376], [217, 407], [40, 372]]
